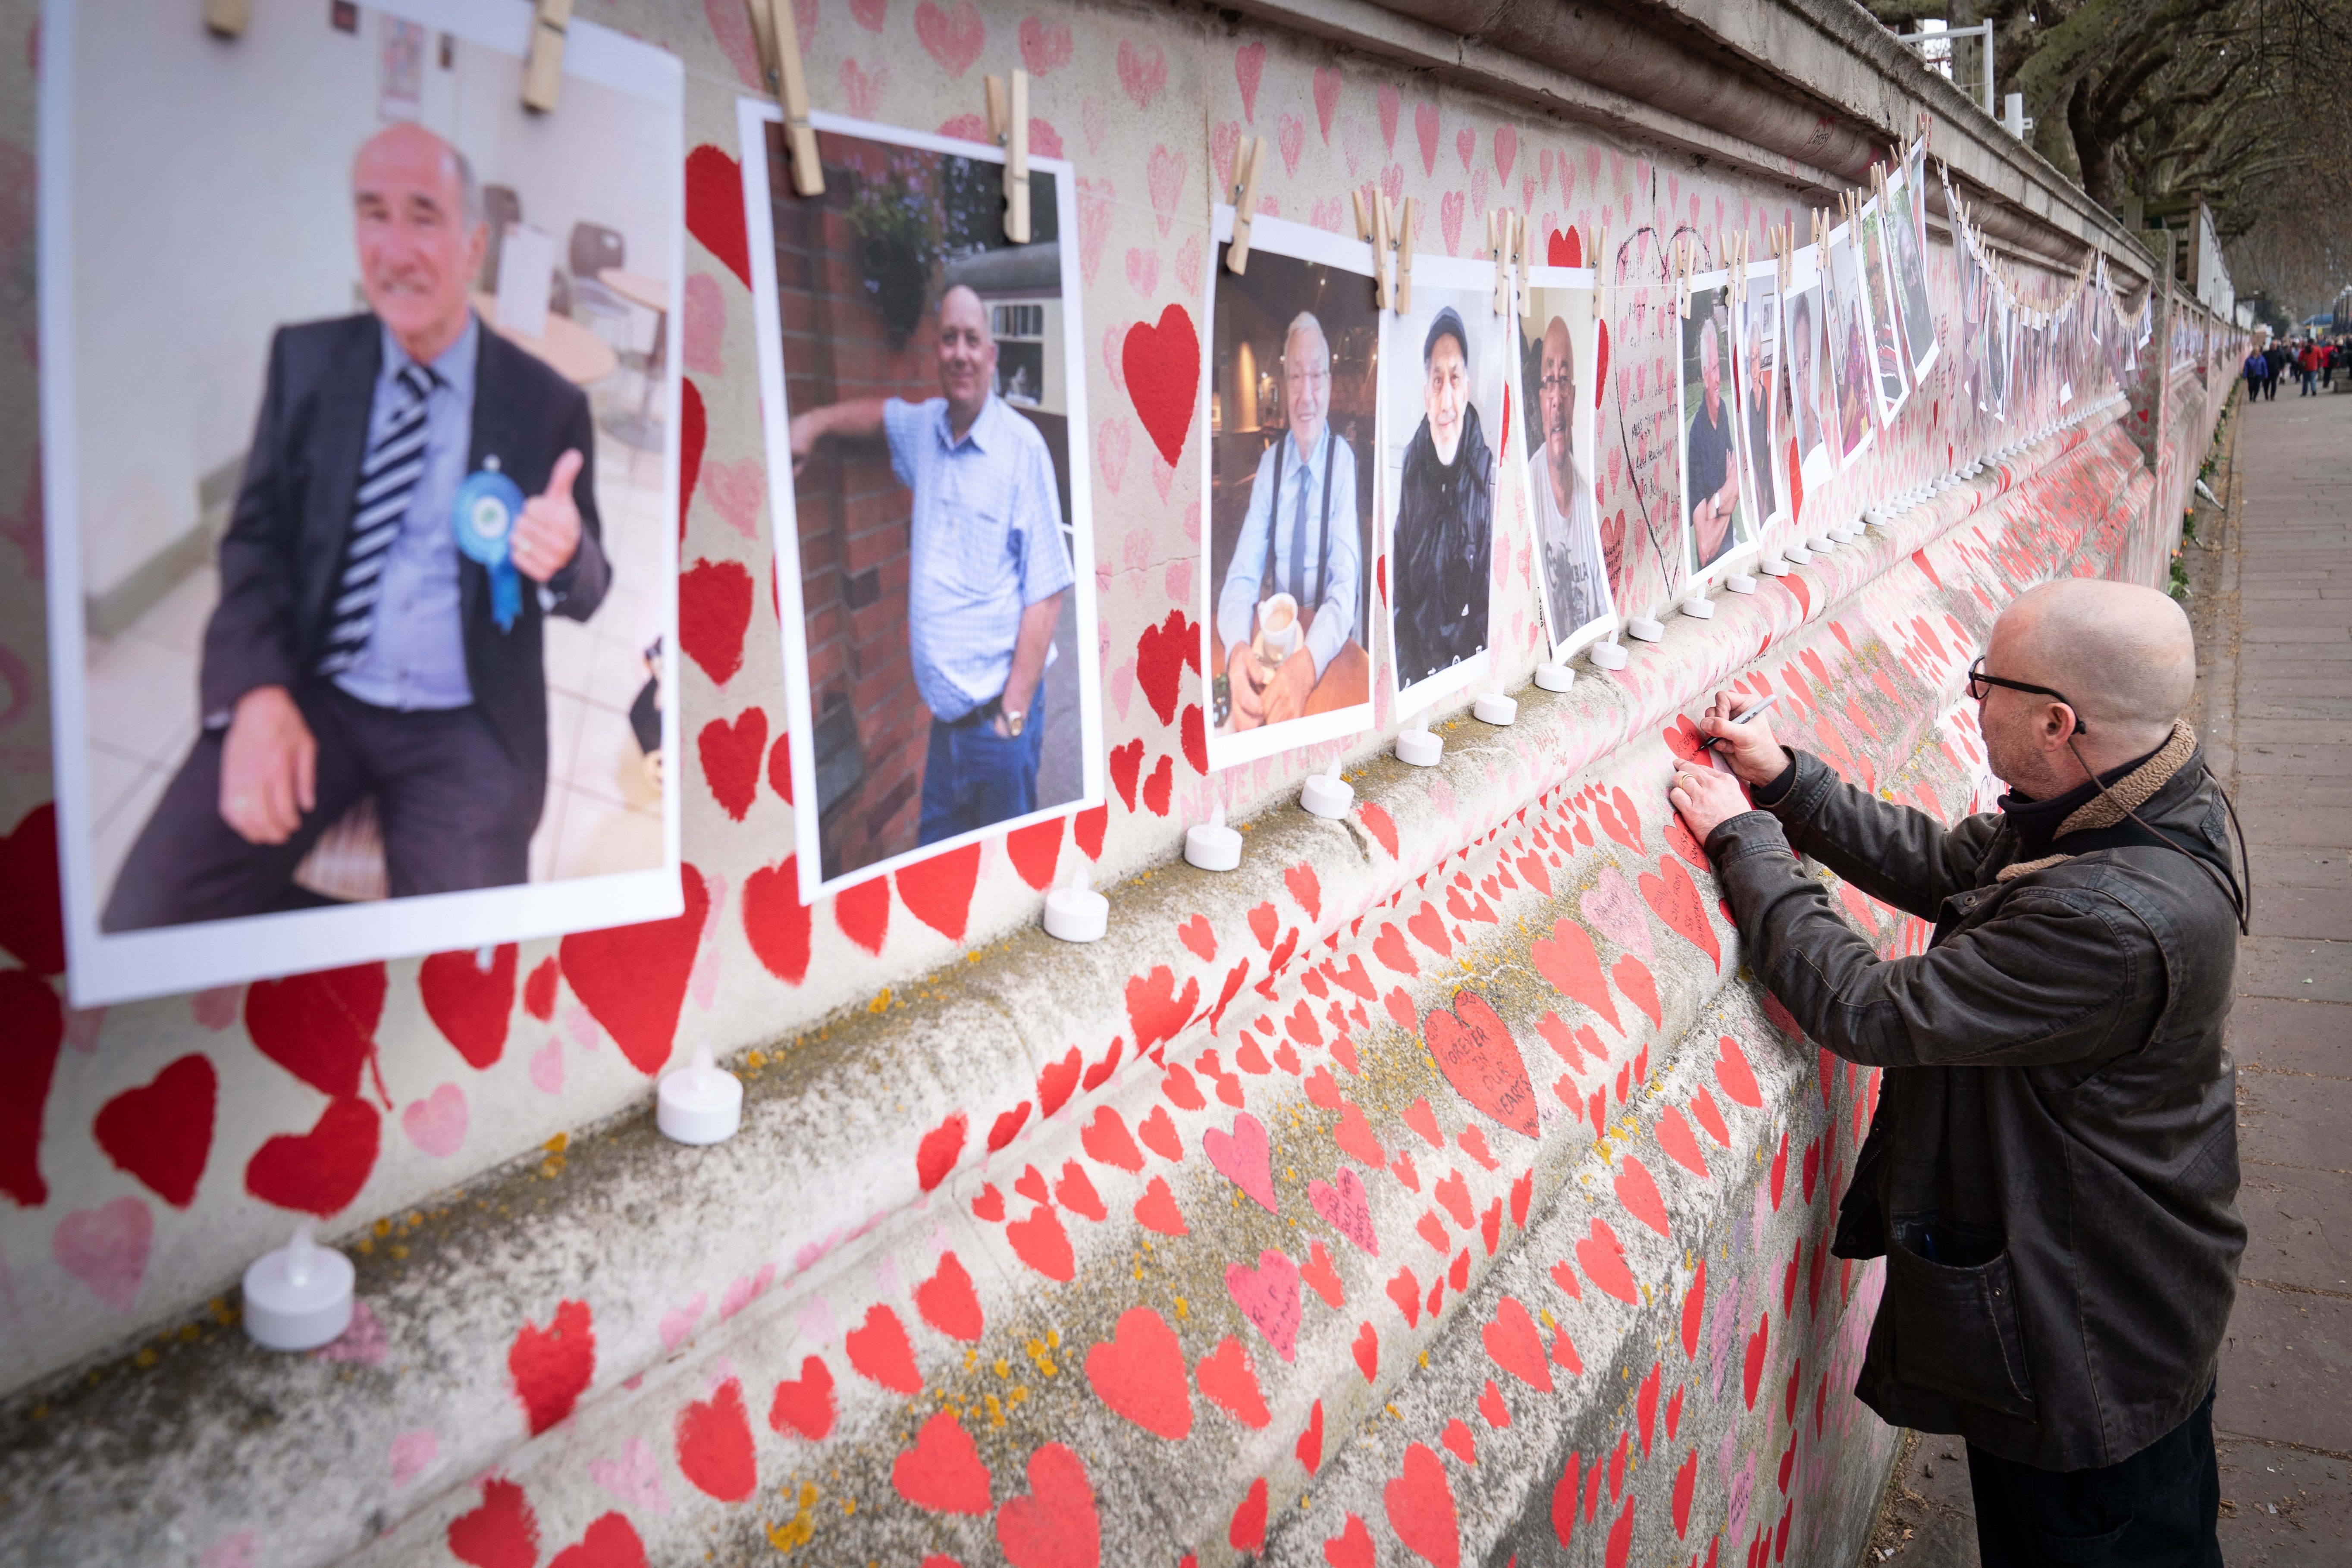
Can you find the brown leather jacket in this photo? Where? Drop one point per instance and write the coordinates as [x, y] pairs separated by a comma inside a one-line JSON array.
[[2052, 1172]]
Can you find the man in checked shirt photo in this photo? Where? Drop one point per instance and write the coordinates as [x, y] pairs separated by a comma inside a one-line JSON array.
[[987, 570]]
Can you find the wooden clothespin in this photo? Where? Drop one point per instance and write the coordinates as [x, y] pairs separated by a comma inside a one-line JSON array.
[[1404, 259], [1381, 226], [1684, 245], [1364, 219], [1246, 162], [1498, 245], [1008, 123], [779, 42], [228, 18], [542, 71]]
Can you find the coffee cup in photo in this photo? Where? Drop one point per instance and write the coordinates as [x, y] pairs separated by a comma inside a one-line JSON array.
[[1278, 627]]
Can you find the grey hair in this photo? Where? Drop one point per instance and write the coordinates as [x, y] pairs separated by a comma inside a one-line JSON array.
[[1305, 321], [469, 189], [1706, 342]]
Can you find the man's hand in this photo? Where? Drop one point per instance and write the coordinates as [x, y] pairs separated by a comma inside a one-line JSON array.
[[547, 535], [1293, 682], [1706, 798], [1241, 679], [1755, 756], [269, 767], [804, 435]]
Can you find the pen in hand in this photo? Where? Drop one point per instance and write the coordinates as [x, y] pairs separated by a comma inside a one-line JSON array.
[[1716, 742]]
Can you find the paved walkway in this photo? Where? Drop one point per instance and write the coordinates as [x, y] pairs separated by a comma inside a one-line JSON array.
[[2272, 599]]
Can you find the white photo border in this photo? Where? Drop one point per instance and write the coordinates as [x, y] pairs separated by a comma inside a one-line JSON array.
[[752, 116], [1567, 642], [103, 968], [1697, 579]]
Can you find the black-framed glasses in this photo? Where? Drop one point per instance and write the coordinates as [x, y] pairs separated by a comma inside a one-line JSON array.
[[1981, 685]]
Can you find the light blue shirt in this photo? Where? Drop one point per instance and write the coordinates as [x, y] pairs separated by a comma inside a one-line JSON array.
[[416, 652], [1302, 486], [986, 544]]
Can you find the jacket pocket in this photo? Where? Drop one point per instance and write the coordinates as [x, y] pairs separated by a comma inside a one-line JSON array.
[[1956, 1331]]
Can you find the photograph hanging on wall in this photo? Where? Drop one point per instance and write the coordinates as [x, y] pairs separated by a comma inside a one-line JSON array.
[[1718, 524], [359, 425], [1810, 438], [1441, 400], [1762, 396], [1906, 276], [1287, 555], [1891, 382], [1560, 391], [923, 388], [1847, 406]]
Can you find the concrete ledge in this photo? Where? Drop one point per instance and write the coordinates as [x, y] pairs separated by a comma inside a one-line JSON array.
[[693, 1270]]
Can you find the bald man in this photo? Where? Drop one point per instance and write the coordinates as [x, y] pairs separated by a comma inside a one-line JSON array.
[[2052, 1172], [986, 573], [356, 651]]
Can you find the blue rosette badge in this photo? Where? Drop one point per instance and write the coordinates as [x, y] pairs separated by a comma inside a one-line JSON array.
[[489, 506]]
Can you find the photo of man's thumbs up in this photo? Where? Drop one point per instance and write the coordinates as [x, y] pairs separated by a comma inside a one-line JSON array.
[[548, 533]]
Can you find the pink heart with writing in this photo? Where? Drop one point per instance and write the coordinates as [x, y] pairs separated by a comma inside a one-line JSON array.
[[1347, 1207], [953, 37], [1268, 1297], [1615, 911], [1244, 1157], [106, 1249], [437, 1123], [1164, 172]]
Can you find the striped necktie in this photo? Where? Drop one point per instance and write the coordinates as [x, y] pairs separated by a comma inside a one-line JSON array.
[[387, 480]]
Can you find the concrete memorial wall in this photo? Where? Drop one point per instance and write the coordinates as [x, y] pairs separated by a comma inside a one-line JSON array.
[[1437, 1186]]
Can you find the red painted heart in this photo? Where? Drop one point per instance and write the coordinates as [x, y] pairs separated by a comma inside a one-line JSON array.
[[1475, 1050], [1603, 1258], [632, 979], [693, 433], [1568, 960], [731, 755], [1138, 1371], [320, 1026], [1674, 896], [1161, 654], [161, 1132], [32, 920], [321, 1171], [1034, 850], [776, 922], [1513, 1343], [880, 1352], [553, 1366], [469, 1000], [714, 608], [1162, 366], [1421, 1509], [948, 1301], [1055, 1524], [805, 1404], [1228, 1379], [502, 1533], [714, 209], [938, 891], [942, 1471], [32, 1027], [611, 1542], [714, 1445]]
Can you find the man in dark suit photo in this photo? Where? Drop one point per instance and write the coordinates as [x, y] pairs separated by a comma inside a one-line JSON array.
[[356, 649]]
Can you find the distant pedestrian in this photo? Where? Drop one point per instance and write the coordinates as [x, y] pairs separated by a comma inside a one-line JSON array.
[[2307, 370], [2257, 371], [2278, 357]]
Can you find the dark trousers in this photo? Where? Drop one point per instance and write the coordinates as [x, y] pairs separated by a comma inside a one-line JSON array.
[[456, 807], [973, 778], [2307, 377], [2155, 1510]]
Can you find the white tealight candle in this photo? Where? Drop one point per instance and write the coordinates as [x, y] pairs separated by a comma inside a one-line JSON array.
[[1076, 913], [1739, 583], [1327, 795], [1418, 747], [1820, 543], [1773, 566], [298, 1296], [1493, 708], [1642, 628], [1210, 844], [1797, 552], [1608, 656], [1699, 607], [1553, 676], [701, 1102]]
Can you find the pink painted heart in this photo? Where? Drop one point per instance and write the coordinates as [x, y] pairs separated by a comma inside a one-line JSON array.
[[1224, 138], [1142, 271], [953, 37], [862, 89], [634, 1478], [1045, 45], [106, 1249], [1112, 438], [1188, 265], [437, 1123], [1507, 151], [1615, 911], [1163, 176], [1249, 66], [1347, 1208], [1094, 119], [1244, 1157], [413, 1452], [705, 325], [1449, 219], [678, 1322], [1142, 72], [1327, 98], [1291, 137], [1425, 129], [1095, 199], [1465, 146], [1268, 1297]]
